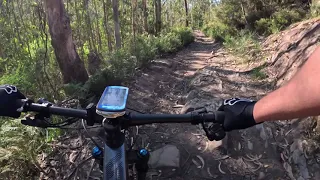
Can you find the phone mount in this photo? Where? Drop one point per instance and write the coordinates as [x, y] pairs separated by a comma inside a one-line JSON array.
[[111, 115]]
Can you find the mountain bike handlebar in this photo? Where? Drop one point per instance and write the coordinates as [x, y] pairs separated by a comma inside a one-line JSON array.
[[134, 119], [54, 110], [114, 154]]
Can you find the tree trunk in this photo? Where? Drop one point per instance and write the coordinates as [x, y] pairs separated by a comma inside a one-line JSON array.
[[157, 5], [106, 26], [71, 66], [244, 12], [92, 45], [117, 34], [145, 15], [97, 27], [133, 17], [186, 8]]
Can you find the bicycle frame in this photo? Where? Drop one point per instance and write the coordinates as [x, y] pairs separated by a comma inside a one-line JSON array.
[[116, 158], [114, 163]]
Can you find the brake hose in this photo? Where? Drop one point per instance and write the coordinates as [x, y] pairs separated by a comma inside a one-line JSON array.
[[85, 129]]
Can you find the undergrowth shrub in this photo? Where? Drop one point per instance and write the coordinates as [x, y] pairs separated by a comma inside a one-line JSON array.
[[143, 48], [258, 73], [315, 8], [121, 65], [218, 30], [244, 44], [19, 146], [185, 35], [278, 21], [168, 43]]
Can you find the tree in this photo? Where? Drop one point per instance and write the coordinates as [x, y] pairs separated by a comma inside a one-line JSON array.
[[186, 8], [133, 17], [145, 15], [105, 23], [71, 66], [157, 6], [117, 35]]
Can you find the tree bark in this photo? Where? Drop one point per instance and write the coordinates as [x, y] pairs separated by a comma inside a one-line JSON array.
[[106, 26], [71, 66], [157, 5], [133, 17], [89, 25], [97, 27], [117, 35], [243, 12], [145, 15], [186, 8]]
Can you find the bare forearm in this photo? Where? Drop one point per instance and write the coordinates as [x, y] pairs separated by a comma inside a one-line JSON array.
[[299, 98]]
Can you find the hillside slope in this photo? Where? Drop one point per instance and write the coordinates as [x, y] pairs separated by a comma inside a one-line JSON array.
[[289, 49], [286, 52]]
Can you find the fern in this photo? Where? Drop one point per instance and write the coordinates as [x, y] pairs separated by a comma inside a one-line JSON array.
[[19, 145]]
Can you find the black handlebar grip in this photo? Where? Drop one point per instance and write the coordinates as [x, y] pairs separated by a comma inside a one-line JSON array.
[[219, 116]]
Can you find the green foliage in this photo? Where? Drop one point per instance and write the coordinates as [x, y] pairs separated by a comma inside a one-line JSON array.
[[185, 35], [264, 17], [143, 48], [218, 30], [174, 40], [121, 65], [315, 8], [19, 145], [265, 26], [244, 44], [278, 21], [168, 43], [230, 13], [285, 17], [258, 74]]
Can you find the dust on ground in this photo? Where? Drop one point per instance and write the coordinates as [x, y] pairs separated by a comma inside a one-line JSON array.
[[202, 75]]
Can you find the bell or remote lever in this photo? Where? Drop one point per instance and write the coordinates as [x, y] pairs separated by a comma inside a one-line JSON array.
[[143, 152], [96, 152]]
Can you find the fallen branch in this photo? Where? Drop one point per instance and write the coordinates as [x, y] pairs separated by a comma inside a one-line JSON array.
[[79, 165]]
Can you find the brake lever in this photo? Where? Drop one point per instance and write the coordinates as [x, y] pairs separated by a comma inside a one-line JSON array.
[[199, 110], [35, 122], [214, 132], [39, 119]]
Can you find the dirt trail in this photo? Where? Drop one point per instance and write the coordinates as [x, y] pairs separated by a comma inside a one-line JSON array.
[[202, 75]]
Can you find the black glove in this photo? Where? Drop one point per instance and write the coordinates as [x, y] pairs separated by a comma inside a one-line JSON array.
[[8, 101], [238, 114]]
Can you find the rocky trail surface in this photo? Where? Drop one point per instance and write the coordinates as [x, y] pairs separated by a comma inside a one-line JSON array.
[[202, 75]]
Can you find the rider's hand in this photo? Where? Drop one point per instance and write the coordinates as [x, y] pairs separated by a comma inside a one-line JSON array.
[[8, 101], [238, 114]]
